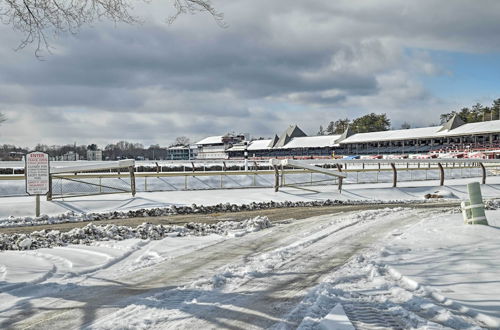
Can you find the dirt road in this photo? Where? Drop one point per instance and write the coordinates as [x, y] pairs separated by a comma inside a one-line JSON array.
[[276, 214]]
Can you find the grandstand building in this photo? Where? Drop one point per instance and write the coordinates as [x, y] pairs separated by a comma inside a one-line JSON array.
[[215, 147], [453, 136], [181, 152]]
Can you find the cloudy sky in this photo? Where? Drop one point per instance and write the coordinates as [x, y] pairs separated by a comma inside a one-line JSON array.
[[276, 63]]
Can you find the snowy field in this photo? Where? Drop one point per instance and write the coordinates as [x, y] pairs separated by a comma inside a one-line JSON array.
[[23, 206], [406, 268], [388, 268]]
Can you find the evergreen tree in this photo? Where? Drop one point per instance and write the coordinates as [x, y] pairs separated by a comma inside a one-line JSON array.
[[330, 128], [405, 125], [321, 131], [371, 123]]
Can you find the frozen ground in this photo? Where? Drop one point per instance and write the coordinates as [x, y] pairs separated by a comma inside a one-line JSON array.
[[389, 268], [23, 206]]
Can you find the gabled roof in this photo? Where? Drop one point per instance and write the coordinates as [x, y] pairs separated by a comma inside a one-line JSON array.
[[211, 140], [453, 123], [273, 141], [347, 133], [291, 132]]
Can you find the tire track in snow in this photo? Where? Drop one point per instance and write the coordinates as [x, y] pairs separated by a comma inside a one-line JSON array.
[[280, 283]]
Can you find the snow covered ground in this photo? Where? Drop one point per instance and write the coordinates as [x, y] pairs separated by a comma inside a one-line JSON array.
[[388, 268], [23, 206], [436, 271]]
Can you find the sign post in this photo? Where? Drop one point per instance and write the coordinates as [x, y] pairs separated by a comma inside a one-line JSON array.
[[36, 172]]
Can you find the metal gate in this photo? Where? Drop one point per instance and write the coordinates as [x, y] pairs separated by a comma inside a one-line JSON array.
[[96, 179]]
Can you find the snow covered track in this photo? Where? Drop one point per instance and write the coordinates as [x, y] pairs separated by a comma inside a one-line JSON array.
[[244, 282], [287, 276]]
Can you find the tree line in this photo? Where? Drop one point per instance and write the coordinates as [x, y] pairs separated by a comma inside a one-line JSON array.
[[113, 151], [368, 123], [476, 113]]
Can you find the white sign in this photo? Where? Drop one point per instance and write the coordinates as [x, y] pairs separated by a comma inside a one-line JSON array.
[[37, 173]]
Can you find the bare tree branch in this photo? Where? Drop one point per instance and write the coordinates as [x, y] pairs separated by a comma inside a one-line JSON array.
[[2, 118], [39, 20], [194, 6]]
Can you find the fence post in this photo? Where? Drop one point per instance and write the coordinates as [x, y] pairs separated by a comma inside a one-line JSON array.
[[282, 176], [276, 178], [37, 205], [484, 172], [441, 174], [394, 175], [339, 168], [49, 194], [132, 179]]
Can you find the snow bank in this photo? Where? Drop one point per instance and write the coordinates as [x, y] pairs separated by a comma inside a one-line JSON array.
[[91, 233], [176, 209]]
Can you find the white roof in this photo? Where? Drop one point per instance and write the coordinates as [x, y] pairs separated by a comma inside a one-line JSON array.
[[312, 141], [211, 140], [425, 132], [474, 128], [259, 144], [253, 145], [400, 134]]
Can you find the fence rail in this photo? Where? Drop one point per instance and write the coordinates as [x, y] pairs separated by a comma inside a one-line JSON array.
[[357, 171]]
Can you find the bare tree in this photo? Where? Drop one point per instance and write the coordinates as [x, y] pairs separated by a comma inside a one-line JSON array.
[[2, 118], [181, 141], [37, 19]]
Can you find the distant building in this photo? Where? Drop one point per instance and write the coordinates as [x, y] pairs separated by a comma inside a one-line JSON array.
[[293, 142], [181, 152], [69, 156], [214, 147], [94, 155], [453, 136]]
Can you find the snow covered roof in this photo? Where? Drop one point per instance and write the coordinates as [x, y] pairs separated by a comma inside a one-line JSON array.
[[291, 132], [312, 141], [483, 127], [259, 144], [211, 140], [475, 128], [400, 134], [253, 145]]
